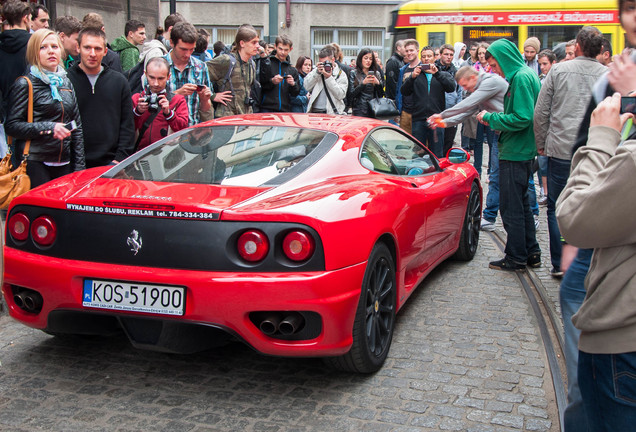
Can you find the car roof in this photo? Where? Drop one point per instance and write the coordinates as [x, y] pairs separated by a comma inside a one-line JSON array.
[[339, 124]]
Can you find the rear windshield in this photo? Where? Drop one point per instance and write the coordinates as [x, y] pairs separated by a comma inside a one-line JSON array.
[[226, 155]]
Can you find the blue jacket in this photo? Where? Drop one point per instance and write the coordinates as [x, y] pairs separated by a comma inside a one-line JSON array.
[[299, 103]]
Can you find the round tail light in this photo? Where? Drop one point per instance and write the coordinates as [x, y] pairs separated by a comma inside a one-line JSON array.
[[298, 245], [44, 231], [253, 245], [19, 226]]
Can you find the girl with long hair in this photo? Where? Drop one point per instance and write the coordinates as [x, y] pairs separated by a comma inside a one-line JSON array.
[[304, 65], [367, 82]]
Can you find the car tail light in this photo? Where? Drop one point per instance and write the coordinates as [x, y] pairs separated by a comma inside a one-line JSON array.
[[253, 245], [298, 245], [44, 231], [19, 226]]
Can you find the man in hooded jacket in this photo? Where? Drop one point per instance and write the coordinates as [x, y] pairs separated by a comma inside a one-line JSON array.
[[279, 79], [517, 150]]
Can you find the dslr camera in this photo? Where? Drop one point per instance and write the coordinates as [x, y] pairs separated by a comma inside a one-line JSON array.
[[152, 99], [327, 66]]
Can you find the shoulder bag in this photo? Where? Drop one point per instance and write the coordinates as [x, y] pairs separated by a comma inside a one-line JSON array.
[[382, 108], [16, 182]]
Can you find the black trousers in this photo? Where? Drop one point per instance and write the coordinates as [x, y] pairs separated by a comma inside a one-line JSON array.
[[39, 173]]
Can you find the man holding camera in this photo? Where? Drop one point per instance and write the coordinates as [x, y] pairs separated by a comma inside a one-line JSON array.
[[157, 111], [103, 97], [427, 85], [327, 85], [279, 79]]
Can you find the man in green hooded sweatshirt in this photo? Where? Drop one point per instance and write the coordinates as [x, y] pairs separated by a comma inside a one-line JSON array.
[[517, 150], [127, 45]]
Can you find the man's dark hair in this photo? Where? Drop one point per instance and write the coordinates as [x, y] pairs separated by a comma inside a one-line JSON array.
[[172, 19], [203, 32], [326, 52], [590, 40], [68, 25], [283, 40], [218, 47], [607, 47], [132, 26], [446, 46], [487, 55], [35, 10], [202, 44], [429, 48], [159, 60], [549, 54], [13, 11], [185, 32], [91, 31]]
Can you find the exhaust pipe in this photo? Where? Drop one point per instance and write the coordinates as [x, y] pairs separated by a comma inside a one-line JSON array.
[[270, 324], [28, 300], [291, 324]]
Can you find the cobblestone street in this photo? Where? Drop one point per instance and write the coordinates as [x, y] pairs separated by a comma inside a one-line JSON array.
[[466, 356]]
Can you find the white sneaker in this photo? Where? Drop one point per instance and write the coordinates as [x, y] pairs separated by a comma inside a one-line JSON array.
[[486, 225], [536, 222]]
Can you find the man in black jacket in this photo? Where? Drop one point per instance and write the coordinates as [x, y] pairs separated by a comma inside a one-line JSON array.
[[105, 103], [278, 78], [13, 42], [429, 86], [393, 66]]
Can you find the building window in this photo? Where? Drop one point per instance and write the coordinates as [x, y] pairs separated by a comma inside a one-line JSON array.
[[225, 34], [351, 41]]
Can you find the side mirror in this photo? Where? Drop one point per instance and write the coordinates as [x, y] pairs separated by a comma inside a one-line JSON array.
[[457, 155]]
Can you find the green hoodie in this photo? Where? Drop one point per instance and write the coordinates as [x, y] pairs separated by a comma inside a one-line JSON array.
[[128, 53], [516, 142]]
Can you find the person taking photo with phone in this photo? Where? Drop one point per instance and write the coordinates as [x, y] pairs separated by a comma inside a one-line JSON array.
[[428, 86], [279, 79], [367, 82], [157, 111], [54, 150]]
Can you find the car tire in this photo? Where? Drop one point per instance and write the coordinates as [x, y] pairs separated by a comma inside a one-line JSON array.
[[469, 238], [375, 316]]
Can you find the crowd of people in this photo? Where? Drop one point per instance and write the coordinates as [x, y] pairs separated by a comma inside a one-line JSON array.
[[553, 111]]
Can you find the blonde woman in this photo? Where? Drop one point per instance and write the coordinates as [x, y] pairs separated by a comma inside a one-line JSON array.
[[57, 147]]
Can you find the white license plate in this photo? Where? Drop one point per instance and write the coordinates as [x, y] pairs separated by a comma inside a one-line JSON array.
[[133, 297]]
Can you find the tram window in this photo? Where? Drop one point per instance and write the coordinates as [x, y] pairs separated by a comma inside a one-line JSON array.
[[490, 34], [436, 39], [550, 36]]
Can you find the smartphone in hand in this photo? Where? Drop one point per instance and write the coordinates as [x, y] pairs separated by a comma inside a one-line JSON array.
[[71, 126]]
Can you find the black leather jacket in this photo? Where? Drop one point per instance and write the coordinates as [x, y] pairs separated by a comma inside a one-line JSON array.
[[46, 112], [363, 93]]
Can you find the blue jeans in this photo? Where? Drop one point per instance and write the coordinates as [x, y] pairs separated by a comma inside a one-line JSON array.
[[514, 204], [608, 387], [431, 138], [479, 146], [492, 198], [532, 195], [558, 173], [543, 169], [571, 296]]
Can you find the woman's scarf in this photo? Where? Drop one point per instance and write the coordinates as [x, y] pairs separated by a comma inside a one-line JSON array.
[[53, 79]]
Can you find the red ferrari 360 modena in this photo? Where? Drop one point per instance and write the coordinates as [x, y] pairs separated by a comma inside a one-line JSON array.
[[301, 235]]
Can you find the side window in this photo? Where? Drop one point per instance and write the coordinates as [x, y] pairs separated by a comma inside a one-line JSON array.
[[407, 157]]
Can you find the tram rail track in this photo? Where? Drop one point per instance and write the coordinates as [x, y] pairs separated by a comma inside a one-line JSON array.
[[549, 327]]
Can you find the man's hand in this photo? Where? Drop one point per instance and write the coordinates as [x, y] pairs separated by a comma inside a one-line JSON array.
[[276, 79], [142, 106], [480, 118], [290, 80], [432, 70], [436, 121], [622, 74], [568, 253], [223, 97], [541, 151], [607, 113], [204, 97], [187, 89], [162, 100], [416, 72]]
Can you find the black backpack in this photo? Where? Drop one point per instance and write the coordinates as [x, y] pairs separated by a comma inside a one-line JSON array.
[[134, 75]]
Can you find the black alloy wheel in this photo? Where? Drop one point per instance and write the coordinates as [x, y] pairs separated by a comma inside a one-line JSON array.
[[469, 239], [375, 316]]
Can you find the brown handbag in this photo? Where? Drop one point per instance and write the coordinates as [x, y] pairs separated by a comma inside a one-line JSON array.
[[16, 182]]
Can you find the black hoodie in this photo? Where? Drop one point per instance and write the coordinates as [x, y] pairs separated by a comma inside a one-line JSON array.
[[13, 62]]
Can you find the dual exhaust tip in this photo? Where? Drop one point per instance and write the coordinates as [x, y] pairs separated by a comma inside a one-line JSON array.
[[281, 323], [27, 300]]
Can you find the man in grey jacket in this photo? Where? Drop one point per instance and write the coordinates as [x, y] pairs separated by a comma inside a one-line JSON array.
[[564, 96], [486, 93]]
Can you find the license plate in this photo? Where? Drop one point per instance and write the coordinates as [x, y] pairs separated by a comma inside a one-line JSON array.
[[133, 297]]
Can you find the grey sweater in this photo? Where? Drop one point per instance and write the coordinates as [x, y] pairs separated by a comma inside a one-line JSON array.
[[488, 95]]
